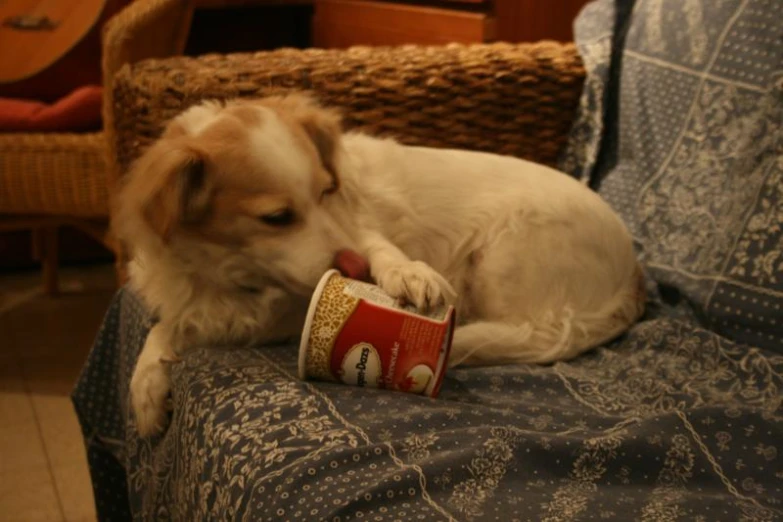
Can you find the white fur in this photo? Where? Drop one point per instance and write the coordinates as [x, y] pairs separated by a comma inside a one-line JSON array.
[[273, 144], [200, 117], [539, 267]]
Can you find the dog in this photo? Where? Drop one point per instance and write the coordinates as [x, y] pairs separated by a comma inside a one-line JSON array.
[[235, 213]]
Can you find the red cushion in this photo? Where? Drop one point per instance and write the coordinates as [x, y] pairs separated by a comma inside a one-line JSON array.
[[78, 111]]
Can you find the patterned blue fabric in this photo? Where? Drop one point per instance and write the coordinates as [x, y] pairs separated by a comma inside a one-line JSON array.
[[692, 155], [677, 420], [671, 422]]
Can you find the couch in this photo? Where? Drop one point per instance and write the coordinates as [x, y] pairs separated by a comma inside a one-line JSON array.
[[672, 115]]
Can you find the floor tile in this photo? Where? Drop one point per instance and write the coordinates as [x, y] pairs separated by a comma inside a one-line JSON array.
[[15, 404], [72, 482], [22, 447], [29, 496], [44, 342], [59, 428]]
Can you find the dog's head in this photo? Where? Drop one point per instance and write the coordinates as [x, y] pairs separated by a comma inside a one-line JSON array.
[[240, 187]]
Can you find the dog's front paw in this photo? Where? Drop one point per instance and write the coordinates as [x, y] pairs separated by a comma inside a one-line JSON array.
[[149, 391], [417, 283]]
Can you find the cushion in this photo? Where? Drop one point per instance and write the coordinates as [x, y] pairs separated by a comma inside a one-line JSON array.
[[78, 111], [680, 130]]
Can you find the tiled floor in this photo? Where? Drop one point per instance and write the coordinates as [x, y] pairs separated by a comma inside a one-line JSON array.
[[43, 343]]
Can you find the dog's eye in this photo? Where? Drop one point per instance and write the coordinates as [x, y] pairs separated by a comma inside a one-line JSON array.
[[279, 218]]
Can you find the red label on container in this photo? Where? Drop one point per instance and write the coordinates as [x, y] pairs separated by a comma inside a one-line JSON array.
[[384, 348]]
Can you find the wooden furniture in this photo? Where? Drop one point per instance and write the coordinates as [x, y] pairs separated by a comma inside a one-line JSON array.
[[516, 99], [533, 20], [343, 23], [48, 180], [222, 4]]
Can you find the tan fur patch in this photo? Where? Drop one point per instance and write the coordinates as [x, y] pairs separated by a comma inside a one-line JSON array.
[[225, 197], [247, 113]]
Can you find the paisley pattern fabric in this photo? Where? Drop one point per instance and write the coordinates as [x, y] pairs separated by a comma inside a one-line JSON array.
[[680, 419], [672, 422], [681, 130]]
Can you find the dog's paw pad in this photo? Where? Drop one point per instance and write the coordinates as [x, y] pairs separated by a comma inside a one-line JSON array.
[[149, 397], [417, 283]]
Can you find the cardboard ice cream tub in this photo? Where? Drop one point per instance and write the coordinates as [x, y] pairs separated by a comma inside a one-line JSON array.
[[357, 334]]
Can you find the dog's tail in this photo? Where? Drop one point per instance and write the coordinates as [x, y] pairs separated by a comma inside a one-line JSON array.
[[555, 337]]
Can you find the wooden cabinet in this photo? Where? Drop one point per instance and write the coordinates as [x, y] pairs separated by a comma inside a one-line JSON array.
[[533, 20], [245, 25], [342, 23]]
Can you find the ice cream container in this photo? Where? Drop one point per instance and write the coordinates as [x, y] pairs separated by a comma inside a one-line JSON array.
[[357, 334]]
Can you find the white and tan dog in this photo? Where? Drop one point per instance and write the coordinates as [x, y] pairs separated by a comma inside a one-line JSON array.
[[237, 211]]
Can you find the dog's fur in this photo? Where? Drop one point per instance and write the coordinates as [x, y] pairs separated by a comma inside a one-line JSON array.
[[539, 268]]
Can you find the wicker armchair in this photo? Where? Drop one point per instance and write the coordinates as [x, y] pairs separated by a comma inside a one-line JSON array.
[[54, 179], [512, 99]]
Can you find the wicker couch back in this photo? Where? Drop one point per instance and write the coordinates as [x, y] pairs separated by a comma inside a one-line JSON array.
[[511, 99]]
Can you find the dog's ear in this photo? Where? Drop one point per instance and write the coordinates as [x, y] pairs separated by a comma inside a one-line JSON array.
[[185, 197], [171, 187]]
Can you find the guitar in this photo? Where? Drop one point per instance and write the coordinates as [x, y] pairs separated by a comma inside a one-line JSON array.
[[50, 47]]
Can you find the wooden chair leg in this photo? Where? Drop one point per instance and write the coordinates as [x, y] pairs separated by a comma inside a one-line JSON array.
[[49, 258], [37, 244]]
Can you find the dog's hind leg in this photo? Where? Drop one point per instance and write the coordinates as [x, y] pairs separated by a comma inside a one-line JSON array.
[[555, 335], [488, 343], [551, 337]]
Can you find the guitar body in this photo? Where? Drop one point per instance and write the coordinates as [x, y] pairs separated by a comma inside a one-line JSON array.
[[50, 47]]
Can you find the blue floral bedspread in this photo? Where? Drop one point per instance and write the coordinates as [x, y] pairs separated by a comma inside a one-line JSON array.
[[680, 419], [672, 422]]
